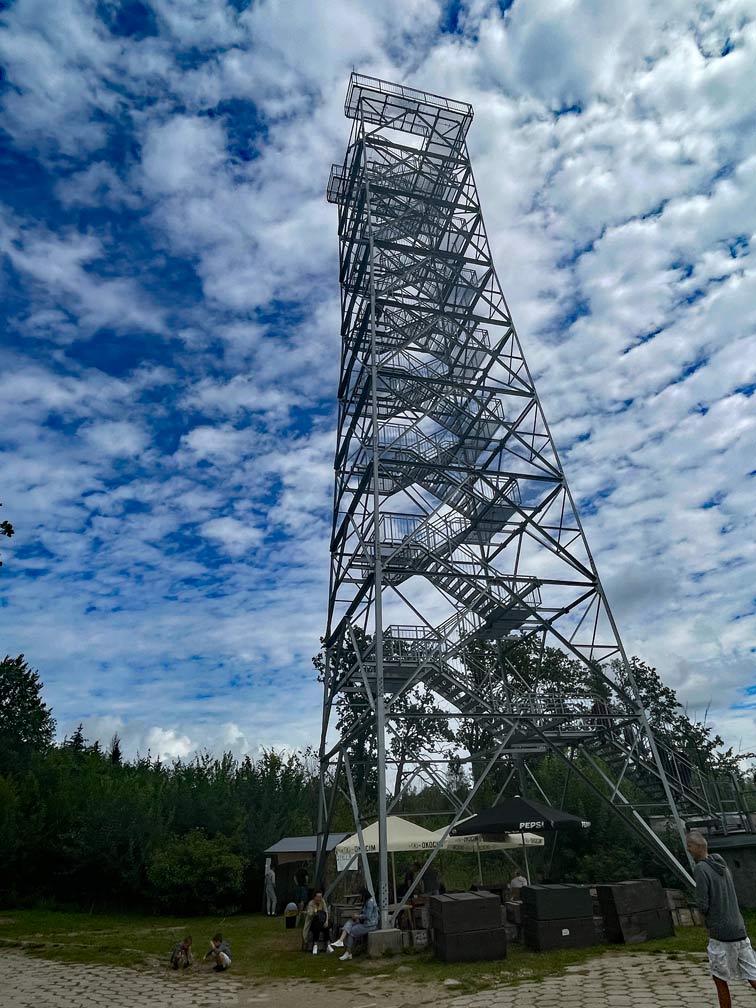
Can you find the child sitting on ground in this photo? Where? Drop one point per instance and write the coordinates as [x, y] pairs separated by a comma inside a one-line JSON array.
[[220, 951], [182, 953]]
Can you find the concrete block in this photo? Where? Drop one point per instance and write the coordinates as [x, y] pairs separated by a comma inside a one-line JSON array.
[[379, 942]]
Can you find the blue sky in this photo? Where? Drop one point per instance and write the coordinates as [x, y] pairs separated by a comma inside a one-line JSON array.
[[168, 269]]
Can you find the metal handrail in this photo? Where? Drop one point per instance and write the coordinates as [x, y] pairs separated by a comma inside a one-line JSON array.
[[413, 94]]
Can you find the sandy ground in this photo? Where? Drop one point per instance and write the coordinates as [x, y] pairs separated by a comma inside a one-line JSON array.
[[360, 995]]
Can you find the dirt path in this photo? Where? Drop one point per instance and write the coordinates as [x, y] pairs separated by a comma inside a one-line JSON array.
[[631, 980], [27, 982]]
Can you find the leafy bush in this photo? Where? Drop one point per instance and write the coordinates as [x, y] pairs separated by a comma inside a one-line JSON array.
[[197, 874]]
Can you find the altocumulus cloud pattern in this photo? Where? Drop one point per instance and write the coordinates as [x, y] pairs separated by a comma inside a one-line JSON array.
[[168, 266]]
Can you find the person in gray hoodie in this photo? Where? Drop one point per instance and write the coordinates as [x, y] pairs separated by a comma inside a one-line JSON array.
[[731, 956]]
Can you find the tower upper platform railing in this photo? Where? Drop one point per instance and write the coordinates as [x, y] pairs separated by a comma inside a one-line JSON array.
[[361, 83], [382, 103]]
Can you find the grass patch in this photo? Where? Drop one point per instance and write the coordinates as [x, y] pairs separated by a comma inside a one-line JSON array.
[[265, 951]]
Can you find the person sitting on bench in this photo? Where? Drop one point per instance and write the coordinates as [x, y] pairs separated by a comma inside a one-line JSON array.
[[361, 924], [317, 927]]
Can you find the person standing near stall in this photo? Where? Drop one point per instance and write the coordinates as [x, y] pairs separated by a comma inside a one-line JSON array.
[[271, 898], [516, 884]]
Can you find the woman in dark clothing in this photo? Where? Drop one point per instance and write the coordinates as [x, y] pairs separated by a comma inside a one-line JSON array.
[[317, 925]]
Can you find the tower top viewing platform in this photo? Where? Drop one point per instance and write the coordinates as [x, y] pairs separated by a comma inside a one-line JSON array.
[[407, 109]]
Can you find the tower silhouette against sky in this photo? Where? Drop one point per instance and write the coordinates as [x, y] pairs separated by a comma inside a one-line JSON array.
[[467, 627]]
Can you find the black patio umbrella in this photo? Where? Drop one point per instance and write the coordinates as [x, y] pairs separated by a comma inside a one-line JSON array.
[[519, 815]]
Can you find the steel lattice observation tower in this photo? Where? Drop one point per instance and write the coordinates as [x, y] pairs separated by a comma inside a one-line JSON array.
[[457, 548]]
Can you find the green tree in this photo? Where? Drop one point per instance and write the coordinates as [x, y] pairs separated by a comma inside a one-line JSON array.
[[77, 743], [279, 795], [10, 838], [351, 709], [416, 732], [499, 672], [26, 722], [414, 729], [7, 530], [197, 874], [115, 755], [672, 726]]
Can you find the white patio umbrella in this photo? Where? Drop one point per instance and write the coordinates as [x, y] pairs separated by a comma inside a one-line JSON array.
[[476, 843], [401, 835]]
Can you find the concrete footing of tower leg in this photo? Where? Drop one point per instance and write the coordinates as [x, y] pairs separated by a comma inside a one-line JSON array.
[[381, 942]]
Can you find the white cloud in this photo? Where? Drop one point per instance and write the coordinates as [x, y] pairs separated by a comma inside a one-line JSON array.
[[632, 216], [59, 268], [241, 395], [235, 536], [115, 437], [98, 184], [168, 743], [59, 59], [182, 155], [219, 444]]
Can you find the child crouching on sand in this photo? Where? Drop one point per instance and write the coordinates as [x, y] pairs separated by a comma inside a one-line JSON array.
[[220, 951], [182, 953]]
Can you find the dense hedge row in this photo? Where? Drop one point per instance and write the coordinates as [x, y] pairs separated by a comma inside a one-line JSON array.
[[80, 826]]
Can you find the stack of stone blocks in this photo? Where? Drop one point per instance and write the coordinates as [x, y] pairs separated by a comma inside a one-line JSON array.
[[652, 912], [550, 916]]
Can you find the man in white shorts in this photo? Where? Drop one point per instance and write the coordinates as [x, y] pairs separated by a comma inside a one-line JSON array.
[[730, 954]]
